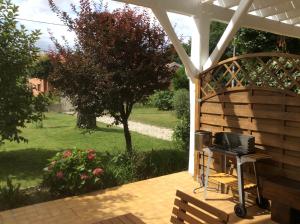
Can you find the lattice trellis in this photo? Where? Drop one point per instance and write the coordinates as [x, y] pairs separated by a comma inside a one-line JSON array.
[[270, 70]]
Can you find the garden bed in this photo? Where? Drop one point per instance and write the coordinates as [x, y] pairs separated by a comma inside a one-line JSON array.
[[118, 169]]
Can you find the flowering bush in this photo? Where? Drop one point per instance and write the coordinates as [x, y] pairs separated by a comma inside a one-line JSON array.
[[73, 171]]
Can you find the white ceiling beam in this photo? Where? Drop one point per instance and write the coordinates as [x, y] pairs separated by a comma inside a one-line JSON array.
[[261, 4], [289, 15], [226, 3], [276, 9], [231, 29], [190, 7], [164, 20], [293, 21], [255, 22]]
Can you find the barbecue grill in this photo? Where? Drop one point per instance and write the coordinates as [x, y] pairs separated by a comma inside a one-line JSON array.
[[233, 143], [242, 147]]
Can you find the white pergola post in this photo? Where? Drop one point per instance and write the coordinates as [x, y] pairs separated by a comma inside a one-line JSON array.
[[199, 55]]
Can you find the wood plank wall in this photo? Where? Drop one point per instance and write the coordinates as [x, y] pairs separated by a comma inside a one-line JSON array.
[[272, 116]]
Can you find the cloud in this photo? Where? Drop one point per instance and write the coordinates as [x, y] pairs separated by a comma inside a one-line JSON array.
[[182, 25], [39, 10]]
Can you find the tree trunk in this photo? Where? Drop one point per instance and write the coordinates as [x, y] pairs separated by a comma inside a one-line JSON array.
[[86, 121], [127, 137]]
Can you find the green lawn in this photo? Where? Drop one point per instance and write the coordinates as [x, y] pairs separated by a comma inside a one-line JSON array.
[[25, 161], [154, 116]]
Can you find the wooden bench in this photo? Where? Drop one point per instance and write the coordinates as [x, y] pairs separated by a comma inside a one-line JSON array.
[[188, 209]]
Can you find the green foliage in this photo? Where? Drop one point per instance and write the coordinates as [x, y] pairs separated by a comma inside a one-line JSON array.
[[143, 165], [181, 134], [250, 41], [174, 56], [41, 103], [11, 195], [180, 80], [120, 168], [42, 67], [17, 54], [161, 162], [181, 103], [123, 167], [163, 100], [216, 31], [73, 171]]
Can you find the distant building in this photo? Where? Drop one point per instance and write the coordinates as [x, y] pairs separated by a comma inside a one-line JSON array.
[[39, 86]]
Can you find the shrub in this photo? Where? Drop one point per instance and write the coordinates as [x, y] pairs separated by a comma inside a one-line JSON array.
[[11, 195], [180, 80], [122, 166], [73, 171], [127, 168], [41, 103], [181, 103], [163, 100], [181, 134], [161, 162]]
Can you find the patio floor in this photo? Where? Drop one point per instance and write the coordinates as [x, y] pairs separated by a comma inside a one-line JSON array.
[[150, 200]]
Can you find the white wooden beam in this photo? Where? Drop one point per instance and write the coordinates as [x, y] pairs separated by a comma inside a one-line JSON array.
[[289, 15], [199, 55], [255, 22], [261, 4], [194, 7], [164, 20], [277, 9], [230, 31], [226, 3], [293, 21]]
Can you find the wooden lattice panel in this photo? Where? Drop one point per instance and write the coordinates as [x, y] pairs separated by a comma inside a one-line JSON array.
[[273, 70], [264, 102]]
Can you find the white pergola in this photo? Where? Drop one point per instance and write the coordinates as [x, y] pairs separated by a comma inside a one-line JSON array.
[[276, 16]]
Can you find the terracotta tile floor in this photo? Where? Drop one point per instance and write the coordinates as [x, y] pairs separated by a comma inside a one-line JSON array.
[[150, 200]]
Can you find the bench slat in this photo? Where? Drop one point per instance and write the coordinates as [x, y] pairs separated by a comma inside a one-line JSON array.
[[198, 213], [174, 220], [185, 217], [210, 209]]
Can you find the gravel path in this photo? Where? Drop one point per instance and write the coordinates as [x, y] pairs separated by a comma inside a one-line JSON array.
[[145, 129]]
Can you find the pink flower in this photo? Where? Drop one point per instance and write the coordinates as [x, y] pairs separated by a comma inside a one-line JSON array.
[[60, 175], [91, 156], [98, 171], [84, 176], [67, 153]]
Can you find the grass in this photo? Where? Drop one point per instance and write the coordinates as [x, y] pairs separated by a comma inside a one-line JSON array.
[[153, 116], [25, 161]]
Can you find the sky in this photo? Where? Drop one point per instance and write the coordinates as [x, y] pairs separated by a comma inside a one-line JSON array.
[[40, 10]]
